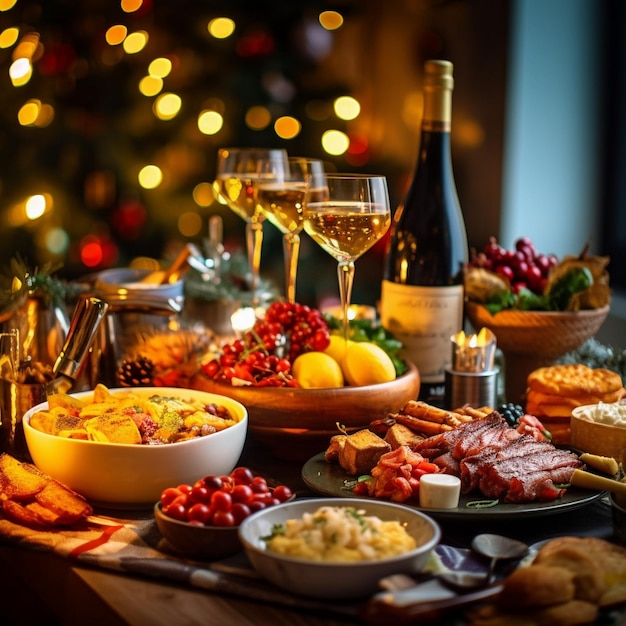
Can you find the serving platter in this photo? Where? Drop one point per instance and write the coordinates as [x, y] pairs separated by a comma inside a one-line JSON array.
[[331, 480]]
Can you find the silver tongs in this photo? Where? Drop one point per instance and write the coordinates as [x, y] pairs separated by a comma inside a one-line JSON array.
[[87, 316]]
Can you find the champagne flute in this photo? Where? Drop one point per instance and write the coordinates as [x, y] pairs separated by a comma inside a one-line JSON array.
[[238, 171], [281, 198], [351, 217]]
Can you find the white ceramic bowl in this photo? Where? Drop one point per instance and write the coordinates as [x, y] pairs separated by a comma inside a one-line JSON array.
[[118, 281], [335, 580], [133, 475]]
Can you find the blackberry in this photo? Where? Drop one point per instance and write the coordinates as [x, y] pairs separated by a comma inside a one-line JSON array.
[[511, 412], [136, 372]]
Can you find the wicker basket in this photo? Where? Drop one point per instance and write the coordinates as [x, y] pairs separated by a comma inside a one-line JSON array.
[[532, 339]]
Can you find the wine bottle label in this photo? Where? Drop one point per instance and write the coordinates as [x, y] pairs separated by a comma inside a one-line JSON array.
[[424, 320]]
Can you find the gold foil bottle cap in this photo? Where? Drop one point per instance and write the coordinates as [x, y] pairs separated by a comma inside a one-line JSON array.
[[438, 86], [438, 73]]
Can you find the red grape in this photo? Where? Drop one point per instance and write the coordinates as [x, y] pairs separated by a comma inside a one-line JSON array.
[[523, 266]]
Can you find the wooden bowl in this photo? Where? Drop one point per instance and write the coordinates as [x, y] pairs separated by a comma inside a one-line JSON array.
[[533, 339], [297, 423], [597, 437], [549, 333]]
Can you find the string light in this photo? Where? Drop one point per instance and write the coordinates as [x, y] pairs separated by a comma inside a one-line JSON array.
[[63, 65]]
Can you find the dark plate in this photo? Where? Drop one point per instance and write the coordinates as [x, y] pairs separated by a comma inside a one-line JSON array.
[[331, 480]]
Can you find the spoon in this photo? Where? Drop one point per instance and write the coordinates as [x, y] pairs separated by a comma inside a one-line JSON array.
[[494, 547], [498, 548]]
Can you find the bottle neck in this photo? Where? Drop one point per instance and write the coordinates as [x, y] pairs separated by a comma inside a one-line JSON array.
[[437, 109]]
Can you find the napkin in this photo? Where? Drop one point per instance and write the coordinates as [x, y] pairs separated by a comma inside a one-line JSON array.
[[133, 545]]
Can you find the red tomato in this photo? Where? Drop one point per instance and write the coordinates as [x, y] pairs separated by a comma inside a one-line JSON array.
[[176, 511], [221, 501], [259, 485], [223, 518], [199, 512], [169, 495], [239, 512], [184, 488], [282, 493], [213, 483], [182, 500], [242, 476], [242, 493], [200, 493]]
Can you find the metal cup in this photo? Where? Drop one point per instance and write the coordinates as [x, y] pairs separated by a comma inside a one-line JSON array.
[[476, 389], [15, 399]]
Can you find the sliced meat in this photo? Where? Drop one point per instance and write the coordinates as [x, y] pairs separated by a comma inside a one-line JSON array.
[[528, 478], [490, 456], [447, 463]]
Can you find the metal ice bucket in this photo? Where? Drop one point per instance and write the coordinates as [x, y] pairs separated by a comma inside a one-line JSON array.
[[135, 310]]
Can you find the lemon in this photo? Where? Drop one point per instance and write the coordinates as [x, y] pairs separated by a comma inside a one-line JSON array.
[[337, 348], [366, 363], [317, 370]]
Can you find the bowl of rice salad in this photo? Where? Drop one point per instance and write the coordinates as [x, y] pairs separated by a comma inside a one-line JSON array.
[[337, 548]]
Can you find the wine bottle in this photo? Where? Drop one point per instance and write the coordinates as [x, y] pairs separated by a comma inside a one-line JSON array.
[[422, 288]]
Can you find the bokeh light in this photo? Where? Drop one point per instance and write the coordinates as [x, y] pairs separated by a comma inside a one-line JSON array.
[[258, 117], [331, 20], [56, 241], [221, 27], [335, 142], [210, 122], [167, 106], [8, 37], [135, 42], [20, 72], [189, 223], [203, 194], [35, 206], [115, 35], [347, 108], [160, 67], [287, 127], [150, 177], [150, 85]]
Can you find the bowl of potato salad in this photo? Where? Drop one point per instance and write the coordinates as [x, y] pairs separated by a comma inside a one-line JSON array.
[[121, 447], [337, 548]]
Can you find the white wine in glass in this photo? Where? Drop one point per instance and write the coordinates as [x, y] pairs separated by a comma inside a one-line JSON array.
[[281, 198], [238, 172], [353, 215]]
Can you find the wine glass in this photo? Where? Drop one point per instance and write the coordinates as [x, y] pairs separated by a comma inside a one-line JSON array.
[[281, 198], [238, 171], [351, 217]]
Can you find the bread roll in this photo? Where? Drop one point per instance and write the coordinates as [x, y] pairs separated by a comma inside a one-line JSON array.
[[537, 586]]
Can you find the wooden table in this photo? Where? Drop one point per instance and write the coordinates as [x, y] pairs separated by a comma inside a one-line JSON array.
[[40, 588]]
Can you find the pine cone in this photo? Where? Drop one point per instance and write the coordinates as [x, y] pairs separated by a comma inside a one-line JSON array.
[[136, 372]]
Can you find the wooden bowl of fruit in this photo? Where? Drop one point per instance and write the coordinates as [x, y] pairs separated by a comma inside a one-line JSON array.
[[295, 404], [538, 307]]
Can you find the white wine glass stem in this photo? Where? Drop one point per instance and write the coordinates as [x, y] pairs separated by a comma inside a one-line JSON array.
[[254, 244], [345, 272], [291, 249]]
